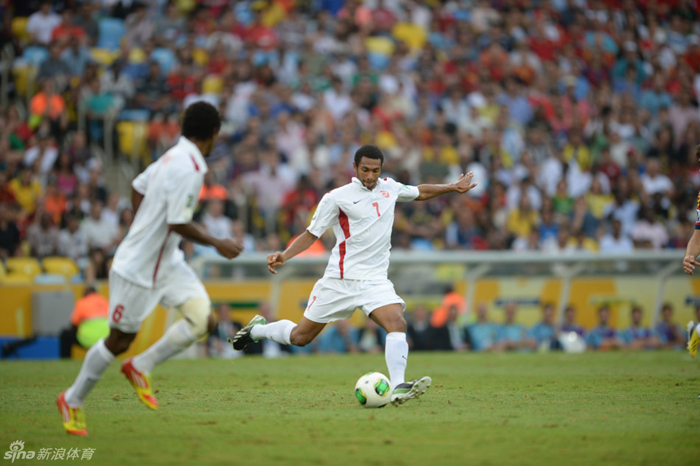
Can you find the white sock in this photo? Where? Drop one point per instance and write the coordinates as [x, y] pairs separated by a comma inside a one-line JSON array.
[[176, 338], [396, 354], [280, 331], [97, 359]]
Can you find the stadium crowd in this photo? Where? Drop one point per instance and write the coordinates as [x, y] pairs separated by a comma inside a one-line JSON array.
[[450, 328], [578, 118]]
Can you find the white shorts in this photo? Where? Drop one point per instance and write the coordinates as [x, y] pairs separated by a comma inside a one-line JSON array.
[[130, 304], [336, 299]]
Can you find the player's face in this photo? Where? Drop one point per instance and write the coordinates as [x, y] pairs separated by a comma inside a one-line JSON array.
[[368, 171]]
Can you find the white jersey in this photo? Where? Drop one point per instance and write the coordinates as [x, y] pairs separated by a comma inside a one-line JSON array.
[[362, 221], [170, 187]]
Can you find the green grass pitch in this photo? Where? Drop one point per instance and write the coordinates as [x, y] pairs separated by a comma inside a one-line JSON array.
[[539, 409]]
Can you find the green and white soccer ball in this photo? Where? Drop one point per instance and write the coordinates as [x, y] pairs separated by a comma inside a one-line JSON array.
[[373, 390]]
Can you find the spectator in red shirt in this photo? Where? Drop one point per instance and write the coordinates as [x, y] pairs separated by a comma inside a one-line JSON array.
[[541, 45], [67, 30], [7, 196], [260, 35], [302, 198], [182, 82], [383, 18]]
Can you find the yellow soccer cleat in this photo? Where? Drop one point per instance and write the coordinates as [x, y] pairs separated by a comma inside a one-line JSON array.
[[693, 338], [73, 418], [141, 383]]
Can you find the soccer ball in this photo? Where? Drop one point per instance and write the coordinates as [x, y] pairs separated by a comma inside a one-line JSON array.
[[373, 390]]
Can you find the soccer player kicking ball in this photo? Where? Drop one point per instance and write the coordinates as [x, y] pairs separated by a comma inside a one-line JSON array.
[[362, 216], [149, 268]]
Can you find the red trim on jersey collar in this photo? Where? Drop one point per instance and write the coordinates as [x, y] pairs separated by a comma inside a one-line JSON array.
[[345, 226]]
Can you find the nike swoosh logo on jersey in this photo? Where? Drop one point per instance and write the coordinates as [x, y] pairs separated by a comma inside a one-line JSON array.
[[355, 202]]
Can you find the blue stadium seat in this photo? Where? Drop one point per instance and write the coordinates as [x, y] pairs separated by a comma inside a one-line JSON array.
[[35, 55], [378, 61], [111, 32], [166, 59]]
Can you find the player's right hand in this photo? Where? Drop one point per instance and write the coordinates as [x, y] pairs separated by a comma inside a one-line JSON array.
[[689, 264], [229, 248], [274, 260]]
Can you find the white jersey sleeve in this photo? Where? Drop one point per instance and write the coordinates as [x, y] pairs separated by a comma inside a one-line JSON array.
[[140, 183], [403, 192], [325, 216], [182, 198]]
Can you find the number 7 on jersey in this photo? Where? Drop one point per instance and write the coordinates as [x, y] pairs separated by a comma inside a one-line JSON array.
[[376, 204]]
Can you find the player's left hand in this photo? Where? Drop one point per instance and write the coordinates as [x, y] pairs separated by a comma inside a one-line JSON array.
[[464, 183], [274, 260]]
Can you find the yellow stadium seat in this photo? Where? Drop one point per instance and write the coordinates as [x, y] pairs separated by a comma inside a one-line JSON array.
[[104, 57], [200, 57], [27, 266], [3, 272], [22, 75], [212, 84], [185, 6], [380, 45], [16, 279], [19, 27], [137, 56], [60, 266], [133, 136]]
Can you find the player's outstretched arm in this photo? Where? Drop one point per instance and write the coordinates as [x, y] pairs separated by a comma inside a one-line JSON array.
[[462, 185], [302, 243], [691, 253], [229, 248]]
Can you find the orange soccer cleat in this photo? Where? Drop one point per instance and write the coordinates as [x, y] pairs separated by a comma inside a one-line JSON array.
[[141, 383], [73, 418]]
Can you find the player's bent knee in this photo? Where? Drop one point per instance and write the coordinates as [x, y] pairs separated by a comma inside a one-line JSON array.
[[118, 342], [196, 312], [397, 324], [300, 339]]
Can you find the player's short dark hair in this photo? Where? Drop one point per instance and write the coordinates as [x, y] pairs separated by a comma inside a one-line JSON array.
[[200, 121], [371, 152]]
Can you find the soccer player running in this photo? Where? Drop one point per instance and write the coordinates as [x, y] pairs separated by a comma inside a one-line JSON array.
[[149, 268], [689, 264], [362, 216]]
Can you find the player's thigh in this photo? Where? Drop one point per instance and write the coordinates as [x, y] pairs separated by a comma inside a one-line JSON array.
[[182, 285], [380, 302], [129, 304], [331, 300]]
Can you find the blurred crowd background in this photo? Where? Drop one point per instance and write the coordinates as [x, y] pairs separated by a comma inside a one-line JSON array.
[[579, 119]]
